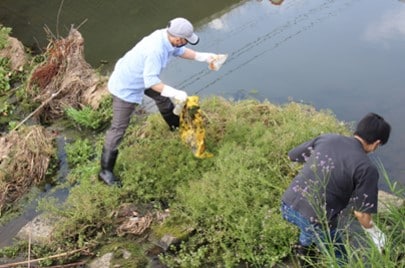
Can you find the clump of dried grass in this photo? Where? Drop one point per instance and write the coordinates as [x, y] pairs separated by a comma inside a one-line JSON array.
[[24, 159], [65, 79]]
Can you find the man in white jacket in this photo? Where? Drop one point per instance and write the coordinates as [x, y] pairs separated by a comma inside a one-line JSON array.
[[137, 74]]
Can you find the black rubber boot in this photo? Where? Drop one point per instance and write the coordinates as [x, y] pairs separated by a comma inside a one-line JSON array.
[[172, 120], [106, 174]]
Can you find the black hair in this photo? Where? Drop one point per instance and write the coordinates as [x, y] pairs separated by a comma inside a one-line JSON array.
[[373, 127]]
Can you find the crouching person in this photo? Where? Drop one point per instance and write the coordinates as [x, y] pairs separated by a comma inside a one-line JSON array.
[[336, 170]]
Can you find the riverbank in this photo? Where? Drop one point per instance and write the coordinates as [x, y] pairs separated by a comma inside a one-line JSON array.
[[217, 211]]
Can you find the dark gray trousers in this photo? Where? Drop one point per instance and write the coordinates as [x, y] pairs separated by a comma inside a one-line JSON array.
[[122, 112]]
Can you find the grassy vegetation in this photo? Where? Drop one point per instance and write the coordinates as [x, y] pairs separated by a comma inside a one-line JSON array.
[[224, 209], [4, 74], [226, 206], [12, 102], [88, 118], [4, 34]]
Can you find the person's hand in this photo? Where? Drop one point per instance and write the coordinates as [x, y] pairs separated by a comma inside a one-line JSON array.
[[178, 108], [204, 57], [378, 237], [179, 96]]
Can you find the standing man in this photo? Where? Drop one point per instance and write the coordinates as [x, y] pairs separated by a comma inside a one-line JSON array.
[[336, 170], [137, 74]]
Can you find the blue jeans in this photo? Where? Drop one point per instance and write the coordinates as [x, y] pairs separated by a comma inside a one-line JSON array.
[[313, 233]]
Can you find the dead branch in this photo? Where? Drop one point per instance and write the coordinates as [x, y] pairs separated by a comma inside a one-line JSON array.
[[44, 258]]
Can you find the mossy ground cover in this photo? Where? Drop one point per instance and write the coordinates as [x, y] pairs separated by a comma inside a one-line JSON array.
[[14, 72], [226, 206], [224, 209], [5, 77]]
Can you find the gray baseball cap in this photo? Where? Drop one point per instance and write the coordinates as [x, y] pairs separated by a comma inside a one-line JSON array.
[[180, 27]]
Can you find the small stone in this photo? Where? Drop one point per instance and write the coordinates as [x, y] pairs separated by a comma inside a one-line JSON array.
[[167, 241], [102, 262], [38, 230]]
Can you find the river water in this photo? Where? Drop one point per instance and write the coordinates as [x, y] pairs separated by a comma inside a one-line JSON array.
[[344, 55]]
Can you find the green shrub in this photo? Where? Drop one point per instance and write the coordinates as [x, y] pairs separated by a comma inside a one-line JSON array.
[[4, 76], [79, 152], [4, 65], [231, 201], [11, 84], [234, 205], [4, 33], [89, 118]]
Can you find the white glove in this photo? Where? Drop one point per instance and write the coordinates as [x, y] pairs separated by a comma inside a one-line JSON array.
[[204, 57], [376, 235], [178, 108], [178, 96]]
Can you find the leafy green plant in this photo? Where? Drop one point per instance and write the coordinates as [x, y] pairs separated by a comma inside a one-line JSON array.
[[86, 117], [225, 209], [4, 63], [89, 118], [232, 199], [4, 33], [79, 152], [11, 82], [4, 76], [14, 251]]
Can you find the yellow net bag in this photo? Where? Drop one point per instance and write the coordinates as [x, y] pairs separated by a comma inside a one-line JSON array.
[[192, 129]]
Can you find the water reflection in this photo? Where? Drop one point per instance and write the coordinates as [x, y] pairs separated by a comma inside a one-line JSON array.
[[389, 26], [345, 55], [274, 2], [248, 39], [110, 26]]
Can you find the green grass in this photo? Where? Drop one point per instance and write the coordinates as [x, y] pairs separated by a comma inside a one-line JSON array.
[[88, 118], [12, 87], [224, 209], [4, 34]]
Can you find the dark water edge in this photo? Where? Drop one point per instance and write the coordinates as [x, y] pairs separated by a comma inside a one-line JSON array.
[[10, 230]]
